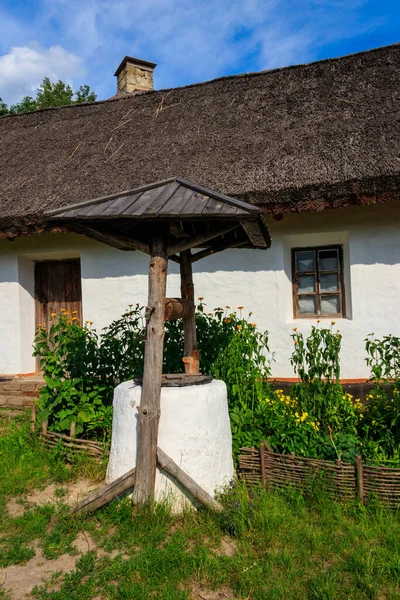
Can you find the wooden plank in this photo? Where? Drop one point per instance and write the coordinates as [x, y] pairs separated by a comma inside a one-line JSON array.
[[191, 356], [176, 205], [121, 205], [213, 207], [170, 466], [229, 209], [198, 240], [254, 232], [106, 494], [157, 204], [195, 205], [149, 410], [57, 211], [227, 199], [209, 251]]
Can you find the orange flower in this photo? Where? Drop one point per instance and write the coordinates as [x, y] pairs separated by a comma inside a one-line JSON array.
[[296, 342], [294, 329], [74, 318], [333, 322], [40, 325], [239, 327], [227, 306], [89, 322], [200, 298], [227, 320], [250, 313], [53, 314], [253, 324], [74, 312], [240, 307], [318, 320]]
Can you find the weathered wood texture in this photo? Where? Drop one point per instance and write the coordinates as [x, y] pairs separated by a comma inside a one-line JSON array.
[[191, 357], [197, 215], [177, 308], [108, 493], [149, 410], [57, 286], [344, 480], [168, 465]]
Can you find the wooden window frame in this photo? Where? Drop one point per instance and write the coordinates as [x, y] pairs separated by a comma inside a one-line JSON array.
[[317, 294]]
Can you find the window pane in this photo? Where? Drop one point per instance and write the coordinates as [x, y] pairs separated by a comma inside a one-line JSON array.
[[307, 305], [328, 260], [305, 260], [329, 282], [330, 305], [306, 283]]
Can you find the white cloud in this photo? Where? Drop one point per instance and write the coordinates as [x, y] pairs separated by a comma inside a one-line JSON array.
[[191, 40], [23, 69]]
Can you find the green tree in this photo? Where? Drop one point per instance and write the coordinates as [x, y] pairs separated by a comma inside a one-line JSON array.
[[50, 94]]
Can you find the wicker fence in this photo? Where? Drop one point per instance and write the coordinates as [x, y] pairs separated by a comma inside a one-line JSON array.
[[71, 445], [343, 480]]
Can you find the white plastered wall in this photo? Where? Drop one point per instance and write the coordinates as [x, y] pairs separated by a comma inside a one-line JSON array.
[[258, 280]]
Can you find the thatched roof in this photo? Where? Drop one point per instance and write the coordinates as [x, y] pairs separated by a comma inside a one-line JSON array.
[[298, 138]]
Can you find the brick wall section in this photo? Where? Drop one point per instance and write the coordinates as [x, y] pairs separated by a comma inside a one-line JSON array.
[[19, 393]]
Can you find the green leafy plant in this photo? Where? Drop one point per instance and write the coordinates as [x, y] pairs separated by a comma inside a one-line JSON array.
[[381, 427]]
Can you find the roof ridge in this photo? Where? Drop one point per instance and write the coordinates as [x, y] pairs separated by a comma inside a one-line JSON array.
[[251, 74]]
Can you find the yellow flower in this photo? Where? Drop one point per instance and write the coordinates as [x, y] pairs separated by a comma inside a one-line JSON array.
[[53, 314], [296, 342], [239, 327], [74, 318], [40, 325], [74, 312], [333, 322], [361, 416], [294, 329], [373, 422], [318, 320], [89, 322]]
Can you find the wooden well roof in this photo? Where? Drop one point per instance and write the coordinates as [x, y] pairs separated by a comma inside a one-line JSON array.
[[197, 216]]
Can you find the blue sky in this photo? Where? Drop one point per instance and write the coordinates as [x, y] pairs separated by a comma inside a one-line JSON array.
[[83, 41]]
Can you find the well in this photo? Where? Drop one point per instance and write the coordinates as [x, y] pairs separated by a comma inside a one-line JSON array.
[[194, 431], [186, 430]]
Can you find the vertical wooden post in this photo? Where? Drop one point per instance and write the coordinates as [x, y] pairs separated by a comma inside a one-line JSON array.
[[149, 410], [191, 354], [262, 466], [359, 478]]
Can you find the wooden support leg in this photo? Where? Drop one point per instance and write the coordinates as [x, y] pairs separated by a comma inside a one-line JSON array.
[[149, 411], [191, 354]]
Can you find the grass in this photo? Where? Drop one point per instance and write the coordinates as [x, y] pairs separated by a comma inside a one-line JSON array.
[[282, 546]]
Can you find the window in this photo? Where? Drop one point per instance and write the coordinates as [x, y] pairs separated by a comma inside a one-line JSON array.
[[318, 289]]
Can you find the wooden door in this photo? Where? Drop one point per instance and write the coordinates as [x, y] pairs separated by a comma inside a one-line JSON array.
[[57, 286]]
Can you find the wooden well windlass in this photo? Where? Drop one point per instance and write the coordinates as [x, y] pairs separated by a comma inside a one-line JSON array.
[[176, 220]]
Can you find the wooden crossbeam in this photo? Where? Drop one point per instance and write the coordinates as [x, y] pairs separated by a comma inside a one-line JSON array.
[[198, 240], [209, 251]]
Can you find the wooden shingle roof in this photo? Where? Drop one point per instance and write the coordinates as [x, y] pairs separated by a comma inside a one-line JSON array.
[[197, 216]]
